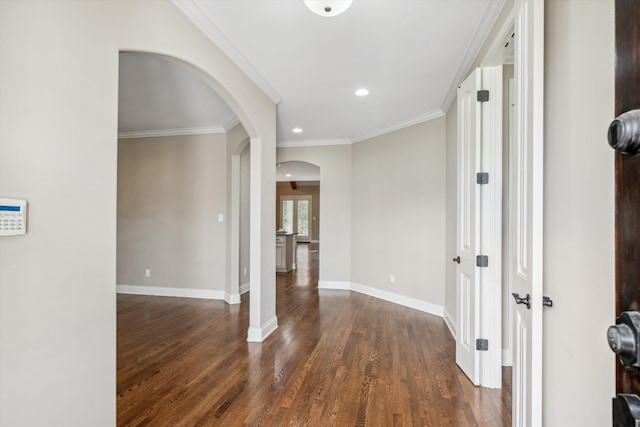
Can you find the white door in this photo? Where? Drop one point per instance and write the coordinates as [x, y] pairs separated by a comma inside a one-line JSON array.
[[468, 217], [295, 212], [527, 208]]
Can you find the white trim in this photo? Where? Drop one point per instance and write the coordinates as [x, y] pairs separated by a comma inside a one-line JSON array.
[[313, 143], [160, 291], [507, 357], [450, 322], [233, 122], [232, 298], [416, 304], [197, 16], [405, 301], [260, 334], [479, 36], [329, 284], [244, 288], [172, 132], [430, 115]]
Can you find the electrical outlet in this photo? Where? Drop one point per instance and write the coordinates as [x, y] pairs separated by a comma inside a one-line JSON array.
[[392, 278], [147, 272]]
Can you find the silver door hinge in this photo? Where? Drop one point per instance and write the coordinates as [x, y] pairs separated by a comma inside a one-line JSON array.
[[483, 95], [482, 177], [482, 261], [482, 344]]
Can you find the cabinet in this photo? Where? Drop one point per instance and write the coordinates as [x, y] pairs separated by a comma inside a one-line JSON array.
[[285, 252]]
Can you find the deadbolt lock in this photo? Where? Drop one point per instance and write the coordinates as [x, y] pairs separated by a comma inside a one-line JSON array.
[[624, 337]]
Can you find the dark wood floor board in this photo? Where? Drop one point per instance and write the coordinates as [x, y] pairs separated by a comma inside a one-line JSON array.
[[338, 358]]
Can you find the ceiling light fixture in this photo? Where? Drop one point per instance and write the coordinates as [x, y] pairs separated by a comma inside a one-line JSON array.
[[362, 92], [296, 130], [328, 8]]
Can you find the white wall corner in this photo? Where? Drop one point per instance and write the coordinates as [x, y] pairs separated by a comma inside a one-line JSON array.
[[160, 291], [260, 334], [450, 322], [232, 298]]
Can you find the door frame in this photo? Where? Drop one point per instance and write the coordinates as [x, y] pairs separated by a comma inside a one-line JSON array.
[[295, 199]]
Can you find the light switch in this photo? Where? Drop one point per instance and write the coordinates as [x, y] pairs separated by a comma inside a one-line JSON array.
[[220, 217]]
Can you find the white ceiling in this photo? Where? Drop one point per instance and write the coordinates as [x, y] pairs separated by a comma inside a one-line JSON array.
[[410, 55], [298, 171]]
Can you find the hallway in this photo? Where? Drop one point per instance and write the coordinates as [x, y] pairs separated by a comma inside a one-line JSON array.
[[337, 358]]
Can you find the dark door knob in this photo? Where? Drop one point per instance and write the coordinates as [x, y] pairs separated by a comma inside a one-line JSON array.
[[626, 410], [457, 259], [526, 300]]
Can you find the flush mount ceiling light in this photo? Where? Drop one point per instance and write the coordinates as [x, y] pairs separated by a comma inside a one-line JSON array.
[[328, 8], [296, 130], [362, 92]]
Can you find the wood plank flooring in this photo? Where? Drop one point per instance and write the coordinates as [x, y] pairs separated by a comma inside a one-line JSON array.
[[337, 359]]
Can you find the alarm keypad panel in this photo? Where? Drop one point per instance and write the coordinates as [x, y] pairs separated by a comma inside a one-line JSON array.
[[13, 217]]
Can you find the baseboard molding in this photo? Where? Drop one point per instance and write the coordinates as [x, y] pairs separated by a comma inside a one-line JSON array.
[[160, 291], [448, 320], [507, 357], [232, 298], [260, 334], [330, 284], [244, 288], [405, 301], [315, 241]]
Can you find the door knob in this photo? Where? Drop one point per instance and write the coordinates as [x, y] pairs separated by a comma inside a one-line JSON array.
[[547, 302], [457, 259], [626, 410], [623, 339], [526, 300], [624, 133]]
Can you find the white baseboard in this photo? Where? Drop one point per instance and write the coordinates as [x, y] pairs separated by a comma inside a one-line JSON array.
[[244, 288], [315, 241], [416, 304], [232, 298], [160, 291], [260, 334], [507, 357], [448, 320], [330, 284]]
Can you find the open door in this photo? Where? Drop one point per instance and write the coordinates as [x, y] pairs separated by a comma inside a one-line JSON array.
[[624, 136], [528, 210], [479, 228]]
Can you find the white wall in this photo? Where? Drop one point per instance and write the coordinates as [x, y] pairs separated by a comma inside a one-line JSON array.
[[245, 206], [58, 150], [335, 210], [170, 192], [398, 223], [579, 368]]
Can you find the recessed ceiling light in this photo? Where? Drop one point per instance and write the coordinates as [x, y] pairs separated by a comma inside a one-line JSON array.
[[296, 130], [288, 175], [362, 92]]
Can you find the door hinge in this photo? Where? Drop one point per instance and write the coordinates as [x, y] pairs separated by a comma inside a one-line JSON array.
[[482, 261], [482, 344], [483, 95], [482, 177]]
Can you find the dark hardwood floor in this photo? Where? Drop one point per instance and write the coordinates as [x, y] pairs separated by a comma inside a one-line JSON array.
[[337, 359]]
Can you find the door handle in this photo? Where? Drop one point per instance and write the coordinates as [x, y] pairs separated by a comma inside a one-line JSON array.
[[623, 339], [457, 259], [526, 300], [624, 132], [626, 410]]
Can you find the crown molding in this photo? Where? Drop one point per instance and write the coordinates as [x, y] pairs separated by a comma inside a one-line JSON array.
[[235, 121], [414, 121], [171, 132], [312, 143], [200, 19], [477, 40]]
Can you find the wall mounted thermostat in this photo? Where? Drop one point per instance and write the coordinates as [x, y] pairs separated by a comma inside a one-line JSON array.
[[13, 217]]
